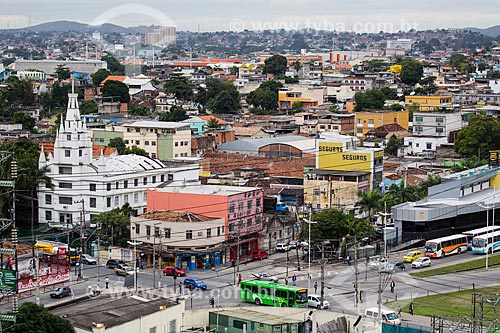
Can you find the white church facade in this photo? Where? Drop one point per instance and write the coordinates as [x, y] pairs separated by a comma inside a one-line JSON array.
[[84, 186]]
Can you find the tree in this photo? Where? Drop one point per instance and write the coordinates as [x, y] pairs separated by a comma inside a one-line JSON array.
[[23, 118], [370, 201], [225, 102], [423, 187], [392, 146], [116, 89], [63, 72], [114, 226], [176, 113], [265, 96], [19, 92], [100, 76], [114, 65], [134, 150], [119, 144], [297, 106], [275, 65], [139, 110], [88, 107], [477, 139], [180, 87], [213, 123], [412, 72], [35, 318], [372, 99]]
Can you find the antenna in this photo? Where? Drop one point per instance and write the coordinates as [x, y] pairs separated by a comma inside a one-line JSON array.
[[73, 83]]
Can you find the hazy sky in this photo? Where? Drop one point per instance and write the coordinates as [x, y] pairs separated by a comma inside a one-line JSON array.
[[211, 15]]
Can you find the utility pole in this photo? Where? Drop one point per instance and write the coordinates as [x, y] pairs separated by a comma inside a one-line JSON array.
[[13, 173], [82, 222], [323, 262], [356, 272], [385, 214], [37, 277], [379, 300], [154, 262], [238, 253], [98, 252]]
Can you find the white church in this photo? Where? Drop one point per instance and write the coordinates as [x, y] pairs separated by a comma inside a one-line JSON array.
[[84, 186]]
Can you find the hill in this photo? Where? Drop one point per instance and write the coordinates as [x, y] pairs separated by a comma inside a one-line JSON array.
[[62, 26], [491, 31]]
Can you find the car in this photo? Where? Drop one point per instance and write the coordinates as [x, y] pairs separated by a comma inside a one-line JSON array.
[[88, 259], [314, 301], [265, 277], [293, 244], [61, 292], [282, 247], [113, 263], [421, 262], [173, 271], [191, 283], [412, 256], [388, 316], [259, 255], [124, 270], [383, 263]]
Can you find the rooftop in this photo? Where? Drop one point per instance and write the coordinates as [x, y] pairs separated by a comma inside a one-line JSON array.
[[156, 124], [221, 190], [173, 216], [259, 317]]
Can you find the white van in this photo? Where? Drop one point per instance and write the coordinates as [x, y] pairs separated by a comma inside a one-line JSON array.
[[314, 301], [388, 316]]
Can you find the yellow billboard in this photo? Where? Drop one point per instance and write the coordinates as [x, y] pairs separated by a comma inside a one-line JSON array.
[[345, 161]]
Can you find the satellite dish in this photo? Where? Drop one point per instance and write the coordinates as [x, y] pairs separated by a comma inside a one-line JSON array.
[[412, 93]]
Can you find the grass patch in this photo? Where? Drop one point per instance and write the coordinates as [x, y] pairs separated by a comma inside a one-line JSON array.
[[466, 266], [458, 303]]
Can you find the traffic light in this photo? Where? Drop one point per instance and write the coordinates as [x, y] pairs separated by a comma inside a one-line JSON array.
[[212, 301]]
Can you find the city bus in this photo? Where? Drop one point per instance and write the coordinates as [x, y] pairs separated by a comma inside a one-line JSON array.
[[478, 232], [486, 243], [271, 293], [441, 247]]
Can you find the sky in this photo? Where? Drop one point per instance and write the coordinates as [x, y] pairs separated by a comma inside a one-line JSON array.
[[216, 15]]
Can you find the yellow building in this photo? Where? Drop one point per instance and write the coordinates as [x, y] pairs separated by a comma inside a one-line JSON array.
[[368, 120], [287, 98], [429, 103]]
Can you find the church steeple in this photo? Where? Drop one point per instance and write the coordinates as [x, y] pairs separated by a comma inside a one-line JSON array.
[[73, 112]]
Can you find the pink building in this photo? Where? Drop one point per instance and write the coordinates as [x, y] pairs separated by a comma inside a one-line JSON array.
[[241, 208]]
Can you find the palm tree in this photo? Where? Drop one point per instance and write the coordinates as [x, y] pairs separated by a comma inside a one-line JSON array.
[[399, 193], [370, 201], [213, 123]]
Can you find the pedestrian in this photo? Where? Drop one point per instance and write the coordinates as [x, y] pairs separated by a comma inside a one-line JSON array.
[[107, 282], [180, 287], [361, 296], [349, 260], [294, 280], [412, 308], [399, 311], [316, 287], [286, 281], [392, 286], [240, 278]]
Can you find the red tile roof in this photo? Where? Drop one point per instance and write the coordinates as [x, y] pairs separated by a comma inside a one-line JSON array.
[[48, 147]]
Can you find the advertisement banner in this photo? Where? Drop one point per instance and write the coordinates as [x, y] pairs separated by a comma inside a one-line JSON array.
[[345, 161], [8, 281], [47, 280]]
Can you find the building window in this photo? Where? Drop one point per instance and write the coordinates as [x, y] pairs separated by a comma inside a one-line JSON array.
[[92, 187], [65, 170], [371, 122], [148, 230], [419, 129], [240, 225], [440, 130], [48, 199], [108, 202], [67, 153], [68, 137], [257, 202], [429, 145], [167, 232], [189, 234], [240, 206], [93, 202], [65, 185], [231, 227], [360, 121], [137, 142], [65, 200], [48, 215], [136, 182], [146, 143], [126, 142], [125, 198], [136, 198], [209, 233], [218, 231], [162, 178], [249, 222], [80, 153], [108, 186], [152, 330], [249, 204], [172, 326], [257, 220], [153, 155], [360, 131], [137, 228], [145, 181], [153, 179], [231, 208], [419, 119], [125, 184], [117, 201], [144, 196], [176, 144], [439, 120], [153, 143], [170, 176]]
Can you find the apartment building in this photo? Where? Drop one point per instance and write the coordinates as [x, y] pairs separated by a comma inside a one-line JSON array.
[[429, 103], [369, 120]]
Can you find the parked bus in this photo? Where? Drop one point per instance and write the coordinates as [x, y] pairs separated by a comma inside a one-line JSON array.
[[274, 294], [489, 242], [441, 247], [478, 232], [51, 247]]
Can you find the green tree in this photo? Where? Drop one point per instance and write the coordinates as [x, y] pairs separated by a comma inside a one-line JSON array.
[[291, 80], [114, 65], [100, 76], [412, 72], [370, 202], [297, 106], [35, 318], [423, 187], [88, 107], [372, 99], [135, 151], [392, 146], [265, 96], [213, 123], [399, 193], [23, 118], [180, 87], [176, 113], [19, 92], [114, 226], [477, 139], [116, 89], [275, 65], [139, 110], [119, 144], [225, 102], [63, 72]]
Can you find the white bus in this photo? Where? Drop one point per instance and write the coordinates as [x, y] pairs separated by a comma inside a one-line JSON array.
[[478, 232], [488, 242], [441, 247]]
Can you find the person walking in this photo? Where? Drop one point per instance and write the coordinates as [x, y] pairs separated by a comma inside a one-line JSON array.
[[240, 278], [412, 308], [393, 285], [107, 282], [294, 280], [316, 287], [286, 281]]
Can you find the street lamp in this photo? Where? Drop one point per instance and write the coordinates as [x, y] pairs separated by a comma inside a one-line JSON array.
[[79, 262], [309, 253], [218, 299], [134, 244]]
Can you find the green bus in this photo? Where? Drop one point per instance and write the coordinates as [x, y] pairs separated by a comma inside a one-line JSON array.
[[271, 293]]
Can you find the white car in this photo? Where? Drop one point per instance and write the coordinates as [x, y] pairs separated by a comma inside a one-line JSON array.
[[381, 262], [282, 247], [421, 262], [88, 259], [265, 277], [314, 301]]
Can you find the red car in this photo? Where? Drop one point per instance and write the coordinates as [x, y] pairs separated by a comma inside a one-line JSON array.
[[173, 271], [259, 255]]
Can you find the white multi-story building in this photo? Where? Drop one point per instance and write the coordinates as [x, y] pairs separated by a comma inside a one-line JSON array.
[[86, 186], [437, 124]]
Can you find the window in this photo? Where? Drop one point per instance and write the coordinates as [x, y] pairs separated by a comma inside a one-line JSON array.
[[137, 228], [218, 231], [240, 206], [153, 179], [117, 201], [65, 185], [440, 130], [209, 233], [136, 182], [167, 232], [65, 170], [439, 120], [360, 131], [93, 202], [126, 142], [257, 220], [249, 204], [240, 224], [144, 196], [108, 202], [152, 330], [177, 144], [189, 234], [48, 199], [371, 122], [67, 153], [108, 187], [170, 176], [145, 181], [186, 143], [231, 208], [153, 143], [125, 198], [231, 227], [137, 142], [125, 184], [172, 326], [136, 198], [428, 145], [146, 143], [419, 129], [157, 231], [92, 187], [148, 230], [48, 215], [395, 120], [162, 178], [65, 200], [68, 137], [153, 155], [258, 202], [360, 121], [419, 119], [249, 222]]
